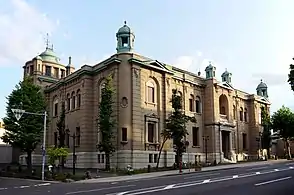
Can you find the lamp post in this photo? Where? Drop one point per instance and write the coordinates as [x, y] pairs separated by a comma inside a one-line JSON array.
[[18, 114], [205, 139], [74, 156]]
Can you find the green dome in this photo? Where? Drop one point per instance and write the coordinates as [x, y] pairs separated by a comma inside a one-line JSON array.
[[261, 85], [125, 29], [38, 58], [225, 73], [49, 56]]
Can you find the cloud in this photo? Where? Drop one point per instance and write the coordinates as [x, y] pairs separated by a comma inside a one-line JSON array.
[[22, 30]]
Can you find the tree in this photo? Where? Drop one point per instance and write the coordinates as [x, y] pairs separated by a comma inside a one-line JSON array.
[[61, 127], [165, 135], [176, 124], [291, 76], [105, 121], [25, 133], [266, 134], [56, 154], [283, 123], [61, 131]]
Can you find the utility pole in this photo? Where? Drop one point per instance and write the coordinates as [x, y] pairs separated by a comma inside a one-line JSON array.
[[205, 139]]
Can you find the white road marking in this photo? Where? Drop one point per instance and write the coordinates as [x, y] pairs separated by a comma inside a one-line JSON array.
[[114, 183], [272, 181], [197, 176], [43, 184], [100, 189], [24, 186], [257, 173], [276, 169], [290, 167], [206, 181], [3, 188], [169, 187], [257, 168], [235, 176]]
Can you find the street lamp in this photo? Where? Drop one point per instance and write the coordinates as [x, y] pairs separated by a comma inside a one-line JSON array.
[[205, 139], [74, 156], [18, 114]]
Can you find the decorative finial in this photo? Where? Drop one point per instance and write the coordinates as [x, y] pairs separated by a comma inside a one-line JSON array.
[[125, 22], [209, 62], [69, 60], [47, 40], [261, 80], [52, 46], [226, 69]]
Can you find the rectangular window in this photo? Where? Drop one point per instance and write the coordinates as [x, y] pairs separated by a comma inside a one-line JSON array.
[[155, 158], [78, 100], [56, 72], [241, 115], [73, 102], [151, 132], [62, 73], [150, 158], [102, 158], [68, 103], [55, 109], [98, 158], [55, 139], [124, 134], [245, 116], [151, 94], [198, 106], [48, 71], [244, 140], [195, 134], [78, 136], [191, 105]]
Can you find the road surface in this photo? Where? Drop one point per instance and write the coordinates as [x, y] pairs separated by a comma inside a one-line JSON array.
[[272, 179]]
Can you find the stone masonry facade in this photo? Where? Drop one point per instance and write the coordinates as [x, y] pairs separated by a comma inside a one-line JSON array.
[[228, 119]]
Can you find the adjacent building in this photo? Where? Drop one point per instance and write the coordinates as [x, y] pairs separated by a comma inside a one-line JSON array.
[[228, 120]]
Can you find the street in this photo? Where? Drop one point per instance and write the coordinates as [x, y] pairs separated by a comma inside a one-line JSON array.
[[268, 179]]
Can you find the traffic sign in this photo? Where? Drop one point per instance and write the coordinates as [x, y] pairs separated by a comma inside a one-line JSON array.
[[18, 113]]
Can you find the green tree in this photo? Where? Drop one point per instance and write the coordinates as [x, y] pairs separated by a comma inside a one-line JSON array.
[[61, 131], [26, 133], [56, 154], [291, 76], [166, 134], [105, 121], [283, 122], [176, 124], [266, 134]]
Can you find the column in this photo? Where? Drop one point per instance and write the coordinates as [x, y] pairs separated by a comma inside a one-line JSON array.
[[146, 132], [220, 146], [156, 132]]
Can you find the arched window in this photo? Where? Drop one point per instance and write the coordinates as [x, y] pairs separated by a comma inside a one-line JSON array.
[[241, 114], [68, 102], [55, 106], [73, 100], [191, 103], [150, 90], [198, 104], [101, 87], [245, 115], [234, 112], [78, 98], [223, 105]]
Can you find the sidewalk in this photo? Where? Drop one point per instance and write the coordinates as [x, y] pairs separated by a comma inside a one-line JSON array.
[[176, 172]]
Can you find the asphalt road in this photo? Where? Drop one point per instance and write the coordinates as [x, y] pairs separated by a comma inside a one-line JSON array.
[[267, 179]]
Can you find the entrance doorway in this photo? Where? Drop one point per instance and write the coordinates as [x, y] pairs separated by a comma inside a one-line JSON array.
[[226, 143]]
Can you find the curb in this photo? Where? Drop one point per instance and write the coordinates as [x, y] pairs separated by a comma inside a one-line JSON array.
[[34, 180]]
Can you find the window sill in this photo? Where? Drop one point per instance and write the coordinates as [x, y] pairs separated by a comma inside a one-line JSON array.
[[195, 146], [150, 103], [149, 143], [124, 142]]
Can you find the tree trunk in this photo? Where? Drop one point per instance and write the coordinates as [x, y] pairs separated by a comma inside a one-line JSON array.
[[160, 151], [107, 161], [29, 162]]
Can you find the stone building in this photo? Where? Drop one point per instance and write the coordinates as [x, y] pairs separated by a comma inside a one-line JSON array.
[[228, 119]]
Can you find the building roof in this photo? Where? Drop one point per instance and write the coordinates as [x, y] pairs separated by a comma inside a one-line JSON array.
[[261, 85], [49, 56], [125, 29]]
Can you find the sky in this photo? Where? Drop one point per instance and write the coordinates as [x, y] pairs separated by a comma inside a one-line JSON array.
[[252, 39]]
